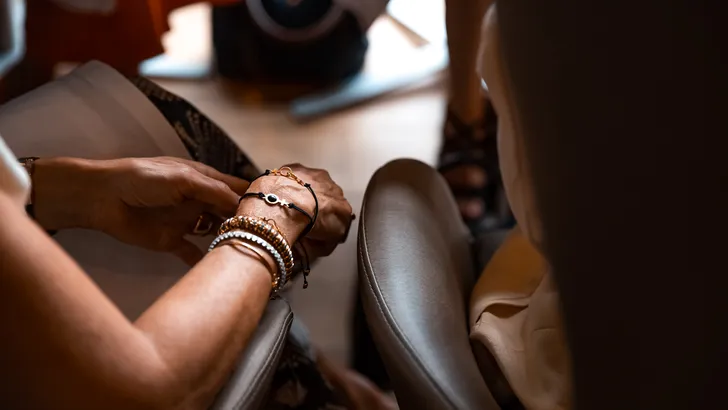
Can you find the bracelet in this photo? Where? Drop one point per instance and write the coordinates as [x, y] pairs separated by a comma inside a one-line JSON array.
[[256, 226], [266, 231], [280, 279], [305, 263], [273, 199], [256, 251], [287, 172], [28, 163]]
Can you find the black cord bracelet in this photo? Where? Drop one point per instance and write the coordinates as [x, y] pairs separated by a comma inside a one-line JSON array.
[[315, 211], [273, 199], [305, 262], [307, 186]]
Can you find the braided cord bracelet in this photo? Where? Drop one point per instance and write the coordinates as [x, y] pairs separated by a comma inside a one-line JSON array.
[[273, 199], [286, 172]]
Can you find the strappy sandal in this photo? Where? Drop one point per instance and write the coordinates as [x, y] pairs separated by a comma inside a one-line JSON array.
[[475, 145]]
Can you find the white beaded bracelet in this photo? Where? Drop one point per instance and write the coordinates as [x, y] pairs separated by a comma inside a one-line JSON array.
[[249, 237]]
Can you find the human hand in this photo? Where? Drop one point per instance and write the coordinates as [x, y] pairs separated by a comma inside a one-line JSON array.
[[148, 202], [358, 391], [334, 211]]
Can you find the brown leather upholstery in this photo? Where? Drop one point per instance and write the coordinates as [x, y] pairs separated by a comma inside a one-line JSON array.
[[250, 382], [416, 272]]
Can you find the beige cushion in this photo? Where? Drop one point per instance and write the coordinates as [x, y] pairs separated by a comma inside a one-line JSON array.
[[95, 112], [514, 307]]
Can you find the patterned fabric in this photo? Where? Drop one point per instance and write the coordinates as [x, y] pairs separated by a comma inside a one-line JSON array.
[[204, 140], [297, 384]]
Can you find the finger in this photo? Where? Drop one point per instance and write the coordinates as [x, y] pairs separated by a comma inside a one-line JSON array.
[[215, 194], [188, 252], [238, 185]]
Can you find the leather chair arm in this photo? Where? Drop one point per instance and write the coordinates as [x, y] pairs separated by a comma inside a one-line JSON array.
[[416, 271], [249, 384]]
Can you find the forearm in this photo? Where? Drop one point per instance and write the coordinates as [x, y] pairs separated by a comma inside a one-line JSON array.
[[180, 350], [63, 192], [202, 324]]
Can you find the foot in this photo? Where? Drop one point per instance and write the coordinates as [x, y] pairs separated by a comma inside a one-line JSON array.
[[469, 163]]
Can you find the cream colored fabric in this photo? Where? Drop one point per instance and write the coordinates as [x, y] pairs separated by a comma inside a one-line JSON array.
[[514, 306], [94, 112]]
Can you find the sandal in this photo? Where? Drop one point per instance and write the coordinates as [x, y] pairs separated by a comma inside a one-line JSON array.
[[476, 145]]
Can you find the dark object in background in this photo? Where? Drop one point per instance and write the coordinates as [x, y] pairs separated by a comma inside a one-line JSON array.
[[311, 42], [365, 357]]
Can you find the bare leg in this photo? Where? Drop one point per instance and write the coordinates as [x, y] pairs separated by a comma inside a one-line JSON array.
[[466, 102], [463, 20]]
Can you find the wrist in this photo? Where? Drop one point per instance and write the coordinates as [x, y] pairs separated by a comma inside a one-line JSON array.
[[63, 190], [290, 222], [236, 253]]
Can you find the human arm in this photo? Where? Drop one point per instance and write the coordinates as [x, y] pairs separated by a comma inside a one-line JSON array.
[[147, 202], [66, 340]]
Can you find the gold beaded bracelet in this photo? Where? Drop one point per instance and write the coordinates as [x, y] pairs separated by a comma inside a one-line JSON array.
[[265, 230]]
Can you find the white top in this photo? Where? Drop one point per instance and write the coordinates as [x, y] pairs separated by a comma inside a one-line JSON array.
[[14, 180]]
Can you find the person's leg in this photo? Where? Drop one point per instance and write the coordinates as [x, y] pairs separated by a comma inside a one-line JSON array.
[[469, 155], [463, 21]]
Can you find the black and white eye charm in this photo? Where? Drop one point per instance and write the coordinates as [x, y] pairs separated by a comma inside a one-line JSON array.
[[273, 199]]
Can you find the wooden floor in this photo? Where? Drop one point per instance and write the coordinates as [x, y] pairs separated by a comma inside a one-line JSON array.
[[351, 144]]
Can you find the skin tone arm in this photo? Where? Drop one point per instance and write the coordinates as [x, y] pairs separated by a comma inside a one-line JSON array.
[[54, 315], [64, 338]]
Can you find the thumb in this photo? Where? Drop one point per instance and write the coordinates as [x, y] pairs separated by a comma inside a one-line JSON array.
[[188, 252]]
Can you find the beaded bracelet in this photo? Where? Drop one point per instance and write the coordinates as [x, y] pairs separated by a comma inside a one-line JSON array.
[[265, 230], [280, 280]]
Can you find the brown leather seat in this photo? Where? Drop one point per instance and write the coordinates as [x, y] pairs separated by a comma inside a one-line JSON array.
[[416, 270]]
